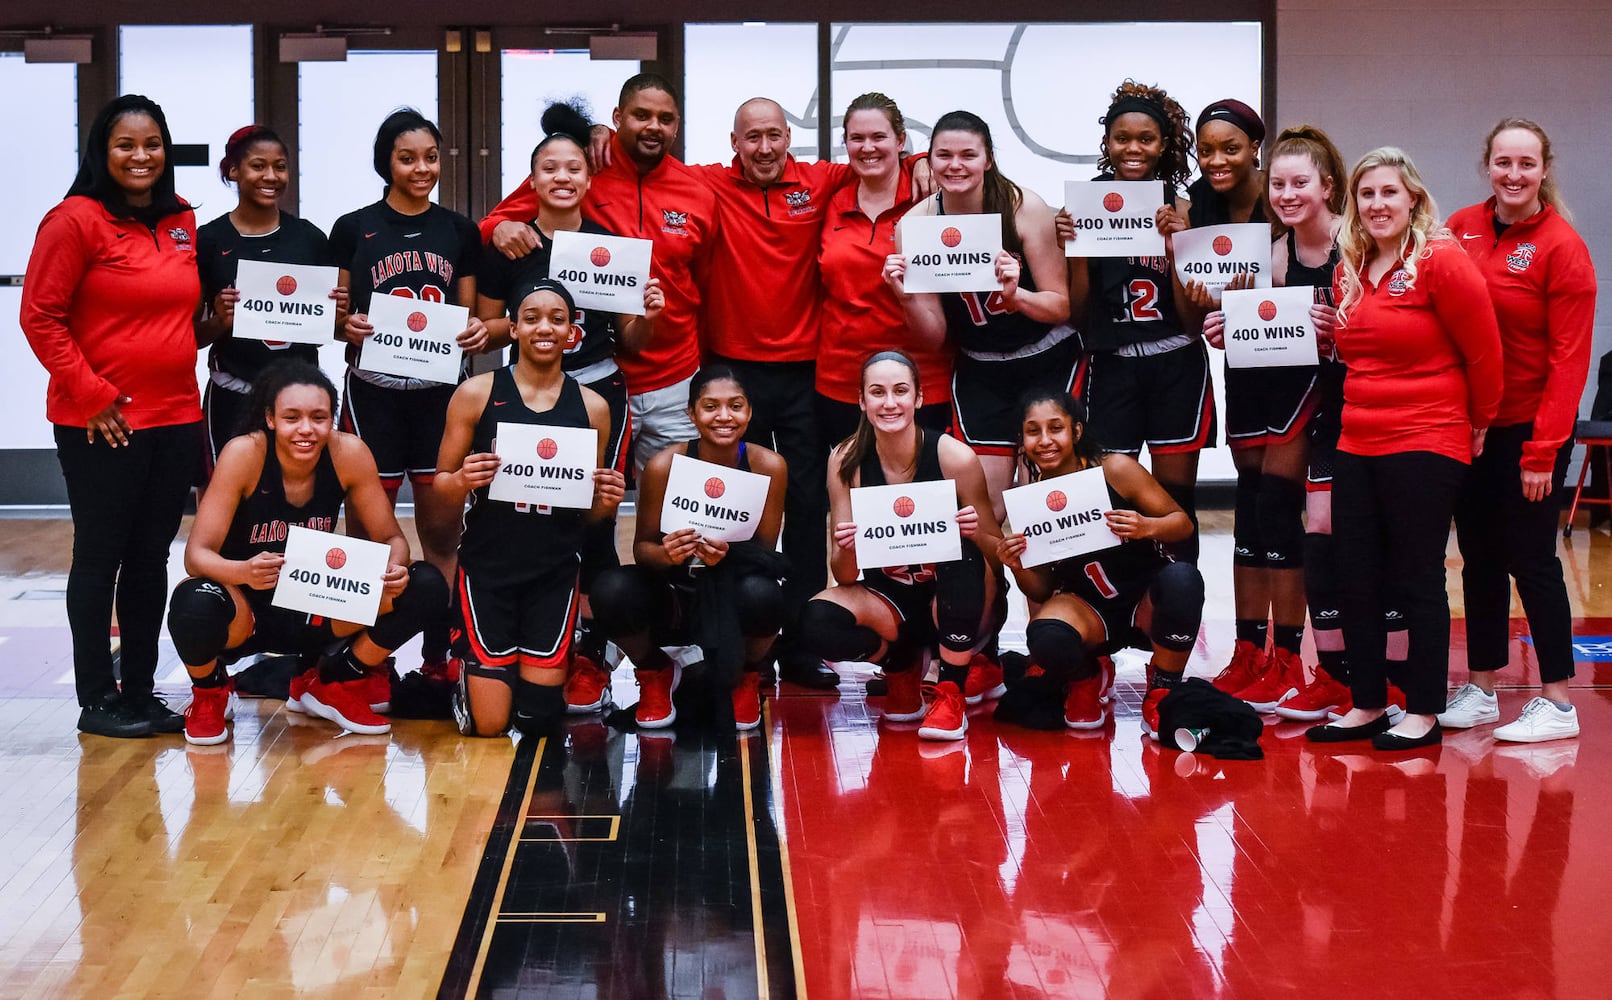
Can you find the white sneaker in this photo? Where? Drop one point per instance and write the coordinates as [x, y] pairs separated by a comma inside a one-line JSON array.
[[1541, 720], [1469, 706]]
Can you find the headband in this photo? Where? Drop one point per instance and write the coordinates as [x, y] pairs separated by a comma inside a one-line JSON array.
[[544, 285], [1236, 113], [1143, 105]]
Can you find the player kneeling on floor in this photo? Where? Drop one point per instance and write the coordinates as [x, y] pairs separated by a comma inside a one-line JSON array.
[[1094, 604], [295, 470], [516, 589]]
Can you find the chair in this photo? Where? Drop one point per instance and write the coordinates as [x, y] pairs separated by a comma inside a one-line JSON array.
[[1592, 434]]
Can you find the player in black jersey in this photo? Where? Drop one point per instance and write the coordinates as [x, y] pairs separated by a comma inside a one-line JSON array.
[[1283, 424], [1006, 340], [516, 586], [1094, 604], [560, 179], [688, 589], [255, 161], [1146, 378], [296, 470], [405, 245], [893, 616]]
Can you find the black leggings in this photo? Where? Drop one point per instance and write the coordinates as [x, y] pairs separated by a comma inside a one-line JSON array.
[[1391, 524], [1505, 536], [126, 504], [636, 600]]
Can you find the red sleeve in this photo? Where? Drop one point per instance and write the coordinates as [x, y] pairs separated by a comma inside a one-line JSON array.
[[520, 205], [1570, 331], [1461, 299], [829, 175], [60, 257]]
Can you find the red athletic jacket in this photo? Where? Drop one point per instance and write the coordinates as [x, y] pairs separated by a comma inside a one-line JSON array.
[[1543, 287], [107, 307], [1424, 361], [761, 290], [861, 315], [671, 206]]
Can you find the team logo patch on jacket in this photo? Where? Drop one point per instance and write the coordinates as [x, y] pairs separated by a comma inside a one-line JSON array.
[[1398, 282], [181, 238], [799, 202], [674, 222], [1520, 257]]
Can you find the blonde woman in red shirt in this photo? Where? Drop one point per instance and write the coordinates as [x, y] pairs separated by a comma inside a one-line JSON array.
[[1542, 284], [1418, 335]]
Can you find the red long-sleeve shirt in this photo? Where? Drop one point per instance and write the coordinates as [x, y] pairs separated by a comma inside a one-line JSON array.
[[671, 206], [1424, 360], [761, 290], [1542, 283], [107, 307]]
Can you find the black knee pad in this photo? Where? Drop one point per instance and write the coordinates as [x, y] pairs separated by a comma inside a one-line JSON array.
[[623, 601], [538, 708], [1059, 648], [831, 632], [1281, 522], [1248, 548], [1320, 581], [1177, 597], [760, 603], [598, 552], [199, 616], [422, 602], [960, 600], [1186, 495]]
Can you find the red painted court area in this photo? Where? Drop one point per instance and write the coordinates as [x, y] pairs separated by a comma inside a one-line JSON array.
[[1061, 865]]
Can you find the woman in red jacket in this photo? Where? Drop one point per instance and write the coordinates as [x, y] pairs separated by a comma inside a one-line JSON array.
[[1543, 286], [107, 307], [1419, 338]]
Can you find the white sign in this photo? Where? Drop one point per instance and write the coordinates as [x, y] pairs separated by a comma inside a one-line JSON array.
[[951, 253], [906, 524], [1269, 327], [285, 303], [414, 338], [546, 465], [1114, 218], [1214, 255], [602, 272], [332, 575], [720, 503], [1061, 517]]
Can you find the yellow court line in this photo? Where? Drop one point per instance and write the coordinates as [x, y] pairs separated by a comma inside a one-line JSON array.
[[775, 742], [615, 830], [763, 991], [503, 877], [593, 917]]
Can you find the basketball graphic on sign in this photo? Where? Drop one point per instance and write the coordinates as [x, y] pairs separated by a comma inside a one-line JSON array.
[[286, 285], [714, 488], [335, 558], [547, 449], [951, 236], [904, 506], [1267, 310], [1222, 245], [416, 321], [1056, 501], [1113, 202], [600, 256]]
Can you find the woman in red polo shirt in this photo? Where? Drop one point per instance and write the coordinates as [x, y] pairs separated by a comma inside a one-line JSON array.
[[1543, 286], [1418, 335], [107, 307]]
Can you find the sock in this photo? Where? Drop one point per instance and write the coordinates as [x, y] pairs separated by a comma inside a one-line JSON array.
[[1335, 662], [1160, 678], [1289, 637], [656, 660], [590, 642], [1565, 706], [341, 667], [951, 672], [1253, 631], [217, 679]]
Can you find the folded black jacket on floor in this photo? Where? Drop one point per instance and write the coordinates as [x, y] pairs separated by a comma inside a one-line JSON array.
[[1231, 728]]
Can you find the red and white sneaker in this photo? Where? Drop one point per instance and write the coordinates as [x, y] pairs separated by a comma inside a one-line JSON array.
[[747, 701], [984, 680], [1106, 673], [447, 670], [655, 687], [945, 719], [1283, 680], [1084, 707], [587, 687], [210, 708], [378, 686], [1320, 697], [346, 703], [1248, 664], [1150, 711], [299, 687], [904, 696]]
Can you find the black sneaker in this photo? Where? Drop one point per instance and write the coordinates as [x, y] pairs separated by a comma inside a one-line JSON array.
[[156, 711], [112, 717]]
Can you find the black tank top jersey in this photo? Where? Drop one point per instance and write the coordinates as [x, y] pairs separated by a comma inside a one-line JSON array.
[[1319, 277], [507, 543], [744, 459], [1330, 384], [1131, 299], [977, 322], [1210, 208], [1109, 574], [683, 575], [927, 471], [220, 247], [501, 277], [262, 517]]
